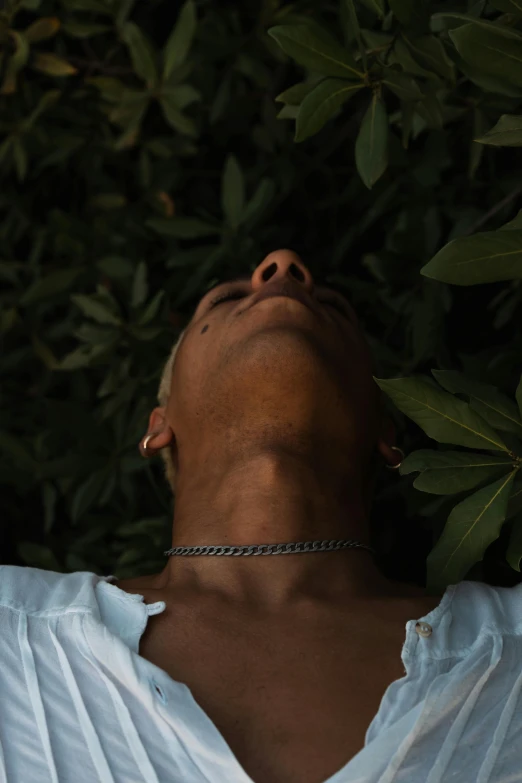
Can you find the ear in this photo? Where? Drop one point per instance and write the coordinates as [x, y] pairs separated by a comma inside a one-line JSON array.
[[160, 430], [387, 439]]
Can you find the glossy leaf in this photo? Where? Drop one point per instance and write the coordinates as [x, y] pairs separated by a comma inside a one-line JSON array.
[[492, 51], [176, 119], [471, 527], [316, 51], [232, 192], [371, 145], [263, 196], [378, 6], [443, 417], [82, 30], [494, 406], [51, 285], [139, 285], [52, 65], [516, 223], [180, 39], [448, 472], [321, 105], [402, 85], [141, 51], [183, 227], [43, 28], [430, 53], [95, 309], [410, 12], [507, 132], [508, 6], [295, 95], [482, 258]]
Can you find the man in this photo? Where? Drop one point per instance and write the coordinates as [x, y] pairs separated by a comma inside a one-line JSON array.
[[286, 667], [275, 426]]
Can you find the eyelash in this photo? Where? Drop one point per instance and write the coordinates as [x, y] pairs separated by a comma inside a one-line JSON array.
[[237, 294]]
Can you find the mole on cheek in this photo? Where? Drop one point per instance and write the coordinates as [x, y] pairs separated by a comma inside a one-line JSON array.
[[204, 329]]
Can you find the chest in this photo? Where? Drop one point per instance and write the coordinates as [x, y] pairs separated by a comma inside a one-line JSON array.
[[293, 704]]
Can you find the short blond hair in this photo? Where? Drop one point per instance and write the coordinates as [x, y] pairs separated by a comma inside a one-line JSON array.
[[163, 398]]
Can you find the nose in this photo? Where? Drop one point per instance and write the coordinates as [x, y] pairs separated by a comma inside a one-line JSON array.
[[282, 265]]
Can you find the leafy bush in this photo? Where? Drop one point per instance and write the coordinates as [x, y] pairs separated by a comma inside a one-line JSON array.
[[148, 153]]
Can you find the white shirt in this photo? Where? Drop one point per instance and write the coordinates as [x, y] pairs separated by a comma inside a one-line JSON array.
[[78, 704]]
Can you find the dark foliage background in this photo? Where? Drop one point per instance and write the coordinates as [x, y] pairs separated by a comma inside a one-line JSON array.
[[151, 150]]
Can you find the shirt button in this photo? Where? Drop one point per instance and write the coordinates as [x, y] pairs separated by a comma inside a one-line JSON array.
[[423, 629]]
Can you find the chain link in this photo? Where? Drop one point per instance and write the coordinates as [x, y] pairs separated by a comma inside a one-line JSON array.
[[271, 549]]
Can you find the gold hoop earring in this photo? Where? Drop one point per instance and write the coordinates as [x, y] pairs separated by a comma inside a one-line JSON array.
[[401, 452], [149, 436]]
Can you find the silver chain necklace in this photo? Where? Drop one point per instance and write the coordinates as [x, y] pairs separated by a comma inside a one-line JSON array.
[[280, 549]]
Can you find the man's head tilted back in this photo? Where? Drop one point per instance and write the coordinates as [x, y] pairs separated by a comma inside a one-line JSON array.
[[272, 420]]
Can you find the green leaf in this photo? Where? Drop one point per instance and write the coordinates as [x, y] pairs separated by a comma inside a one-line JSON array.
[[410, 13], [506, 133], [142, 53], [151, 309], [264, 195], [51, 285], [508, 6], [139, 285], [429, 52], [371, 146], [443, 417], [87, 494], [492, 51], [115, 266], [96, 6], [448, 472], [183, 227], [321, 105], [180, 39], [402, 85], [514, 546], [180, 122], [377, 6], [110, 88], [93, 308], [52, 65], [315, 51], [38, 556], [82, 30], [182, 95], [84, 356], [515, 500], [466, 19], [482, 258], [496, 408], [516, 223], [295, 95], [476, 152], [232, 192], [348, 17], [471, 527], [47, 27]]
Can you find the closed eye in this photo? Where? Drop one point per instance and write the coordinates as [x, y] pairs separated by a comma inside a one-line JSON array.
[[333, 302]]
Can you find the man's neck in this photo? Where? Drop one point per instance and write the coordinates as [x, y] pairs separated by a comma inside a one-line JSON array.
[[273, 498]]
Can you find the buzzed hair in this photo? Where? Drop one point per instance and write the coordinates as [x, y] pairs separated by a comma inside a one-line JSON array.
[[163, 398]]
